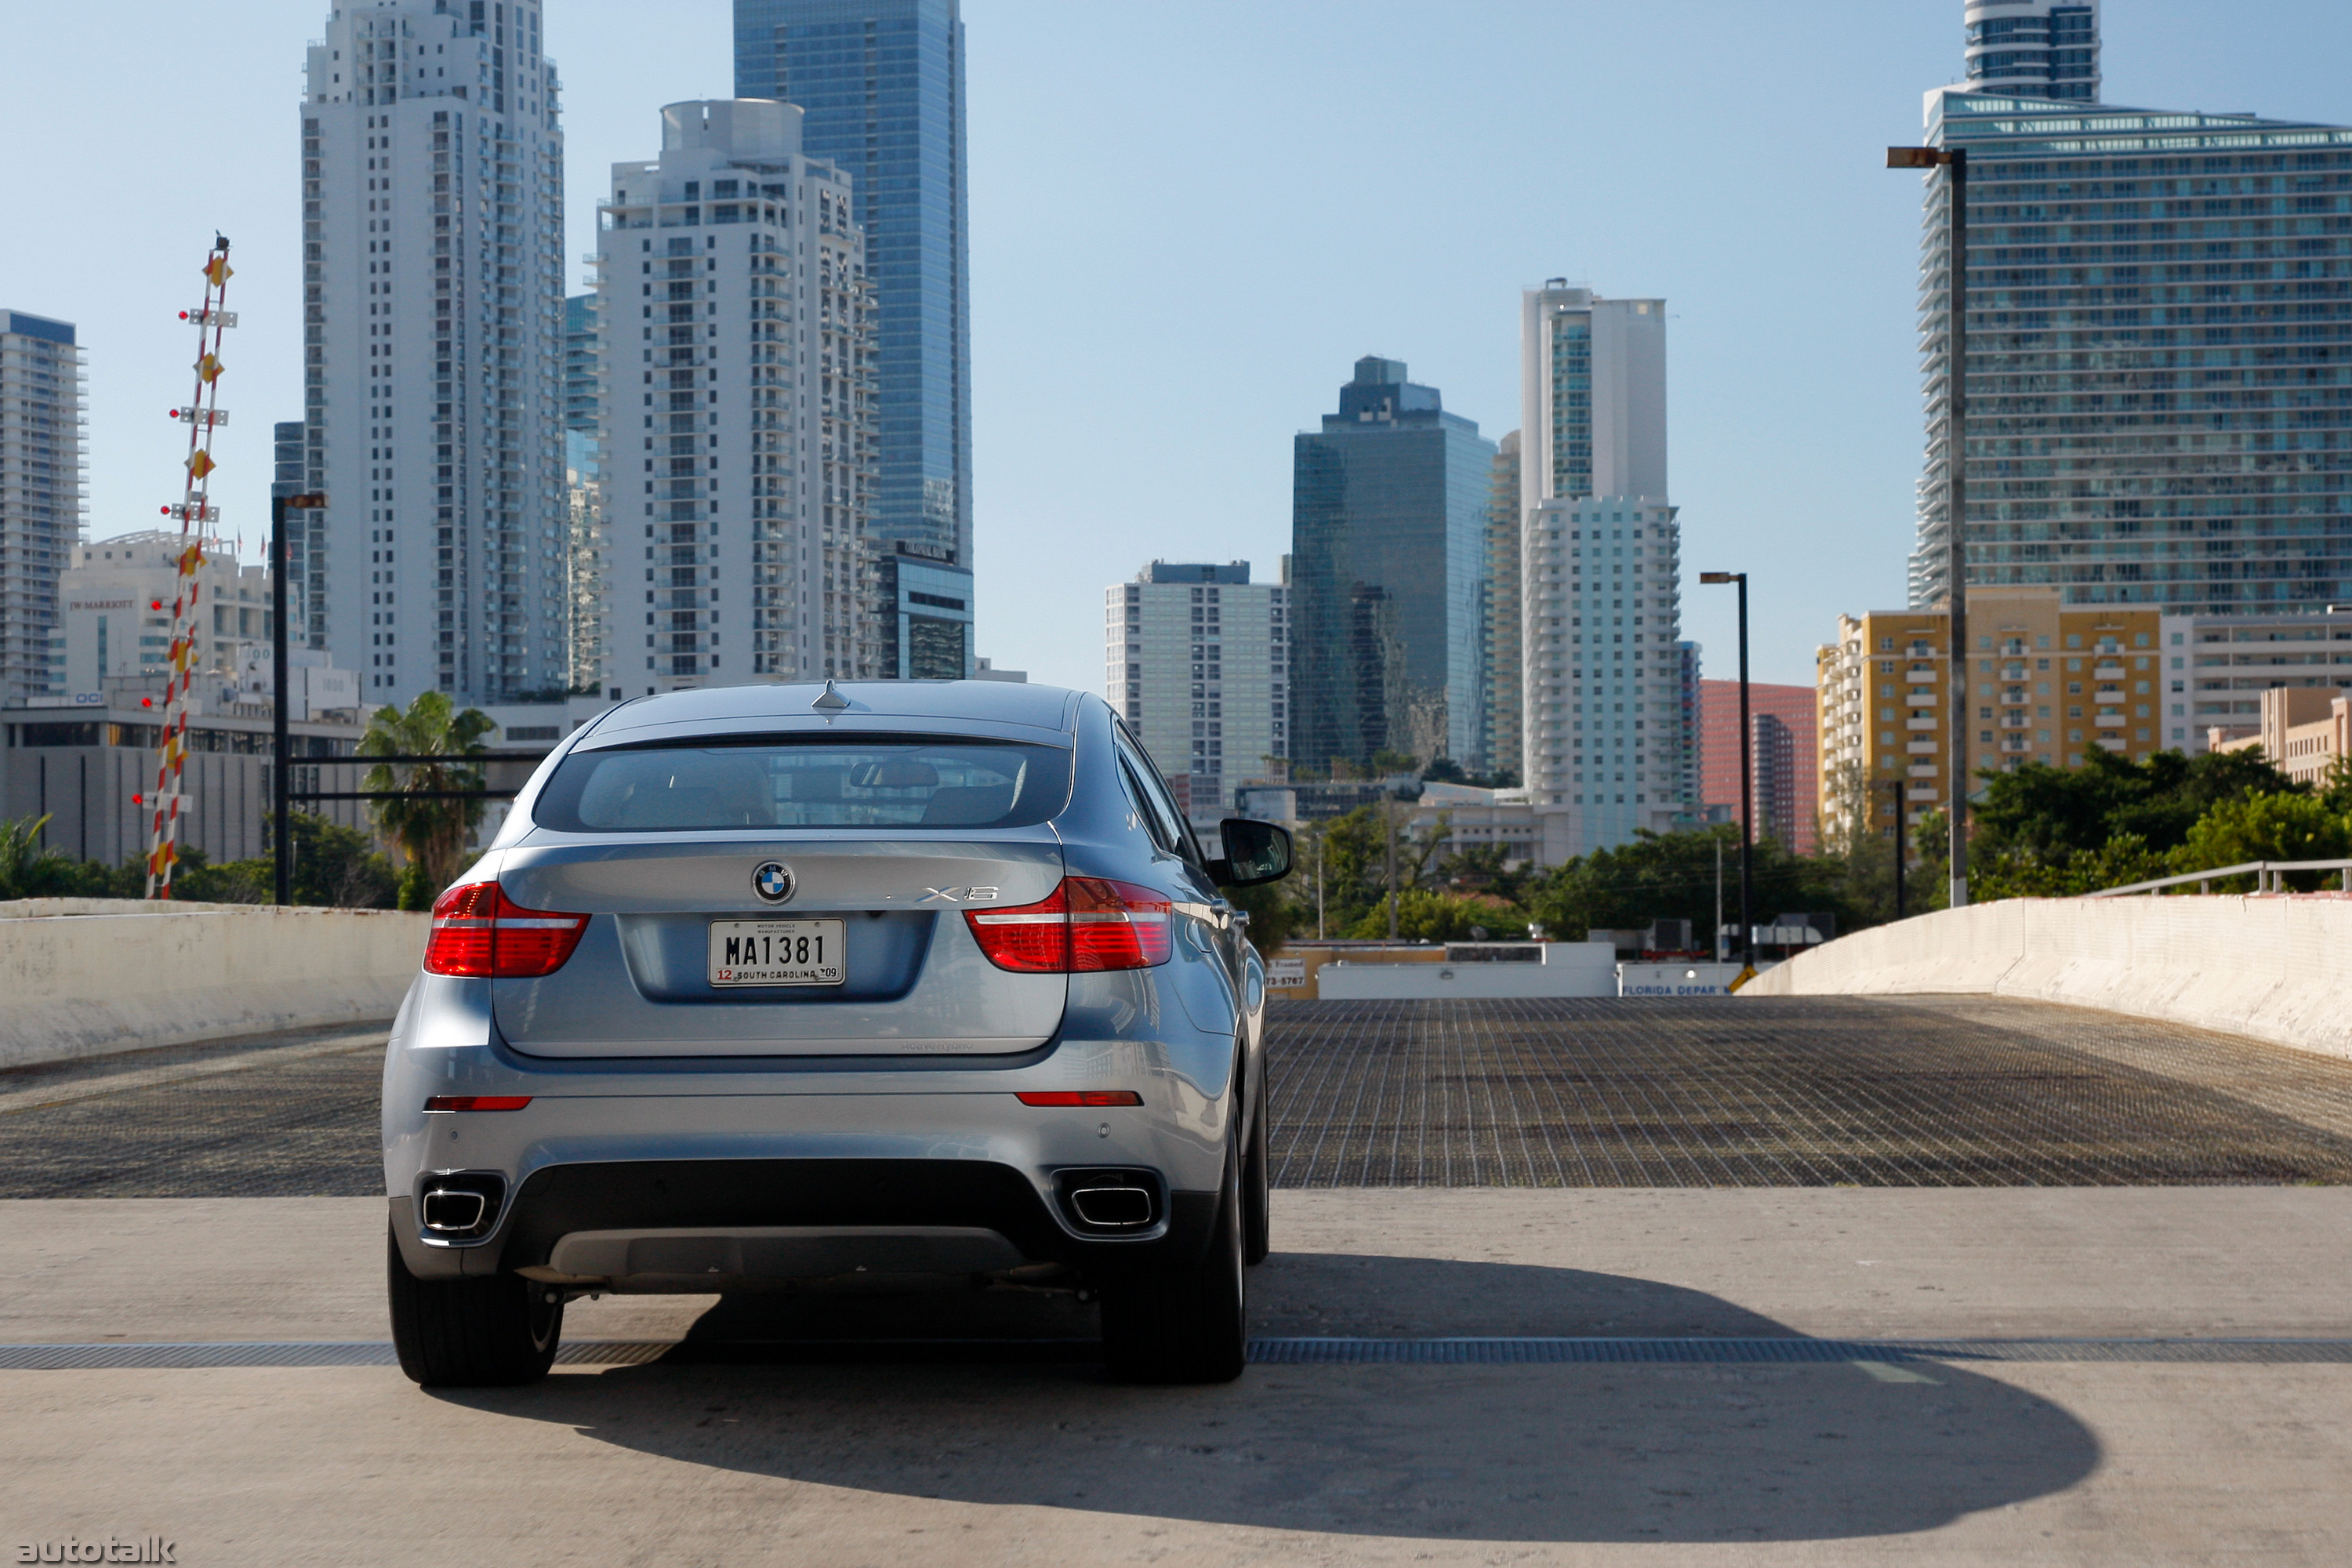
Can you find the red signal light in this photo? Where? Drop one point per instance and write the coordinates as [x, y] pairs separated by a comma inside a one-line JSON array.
[[1060, 1097], [478, 1102]]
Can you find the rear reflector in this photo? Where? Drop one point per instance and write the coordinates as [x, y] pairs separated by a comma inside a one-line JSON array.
[[478, 930], [1085, 923], [478, 1102], [1080, 1097]]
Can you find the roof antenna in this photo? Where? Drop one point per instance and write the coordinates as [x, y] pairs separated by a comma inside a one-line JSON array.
[[829, 697]]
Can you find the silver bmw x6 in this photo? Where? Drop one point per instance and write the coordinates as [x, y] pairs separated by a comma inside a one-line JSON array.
[[776, 983]]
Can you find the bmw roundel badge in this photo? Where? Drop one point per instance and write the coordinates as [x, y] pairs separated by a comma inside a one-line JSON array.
[[773, 881]]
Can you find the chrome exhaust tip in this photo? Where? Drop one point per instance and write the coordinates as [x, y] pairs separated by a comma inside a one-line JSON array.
[[1113, 1201], [447, 1212], [1121, 1208]]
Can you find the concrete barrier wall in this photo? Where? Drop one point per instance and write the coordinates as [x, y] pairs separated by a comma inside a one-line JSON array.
[[2278, 968], [83, 977]]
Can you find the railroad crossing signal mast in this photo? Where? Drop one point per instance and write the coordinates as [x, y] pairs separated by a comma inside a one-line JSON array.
[[202, 416]]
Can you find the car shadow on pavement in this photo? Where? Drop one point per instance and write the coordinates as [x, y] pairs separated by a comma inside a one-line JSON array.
[[919, 1403]]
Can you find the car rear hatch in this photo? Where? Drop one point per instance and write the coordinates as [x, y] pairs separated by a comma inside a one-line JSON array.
[[821, 926]]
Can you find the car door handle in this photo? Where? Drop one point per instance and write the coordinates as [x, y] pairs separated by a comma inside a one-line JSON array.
[[1219, 914]]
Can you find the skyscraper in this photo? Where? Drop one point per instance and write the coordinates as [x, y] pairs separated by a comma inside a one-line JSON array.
[[1195, 656], [738, 408], [2160, 385], [586, 576], [40, 495], [2039, 49], [882, 84], [1388, 570], [1502, 656], [433, 289], [1783, 754], [1609, 734]]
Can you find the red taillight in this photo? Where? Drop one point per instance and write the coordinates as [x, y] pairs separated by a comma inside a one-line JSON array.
[[1085, 923], [1080, 1097], [476, 1103], [1032, 939], [478, 930]]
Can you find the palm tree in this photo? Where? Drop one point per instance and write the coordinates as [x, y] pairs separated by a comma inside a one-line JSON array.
[[431, 833]]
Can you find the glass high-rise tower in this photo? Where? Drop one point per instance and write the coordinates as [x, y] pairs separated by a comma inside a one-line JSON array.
[[2160, 377], [881, 84], [1388, 577]]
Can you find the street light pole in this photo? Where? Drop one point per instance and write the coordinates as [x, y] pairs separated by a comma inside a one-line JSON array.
[[1747, 780], [1955, 161], [281, 846], [1901, 847]]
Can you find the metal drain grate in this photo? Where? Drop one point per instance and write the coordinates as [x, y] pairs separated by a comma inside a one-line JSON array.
[[1301, 1351], [1536, 1351]]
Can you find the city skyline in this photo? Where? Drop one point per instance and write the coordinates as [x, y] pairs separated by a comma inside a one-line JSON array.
[[1856, 483]]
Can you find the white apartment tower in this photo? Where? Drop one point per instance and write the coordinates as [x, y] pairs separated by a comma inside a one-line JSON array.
[[433, 289], [1197, 657], [40, 495], [2034, 48], [738, 424], [1608, 736]]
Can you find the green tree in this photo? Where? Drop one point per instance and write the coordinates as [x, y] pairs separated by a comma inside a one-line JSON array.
[[1428, 915], [26, 863], [31, 870], [1486, 868], [2265, 826], [2058, 813], [2123, 859], [431, 832], [1673, 875]]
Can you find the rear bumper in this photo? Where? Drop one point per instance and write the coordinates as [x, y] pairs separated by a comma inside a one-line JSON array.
[[728, 1152], [719, 1223]]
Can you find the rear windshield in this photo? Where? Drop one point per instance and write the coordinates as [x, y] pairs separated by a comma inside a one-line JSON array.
[[826, 782]]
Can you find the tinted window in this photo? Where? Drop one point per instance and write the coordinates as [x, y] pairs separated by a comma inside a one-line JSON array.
[[878, 782]]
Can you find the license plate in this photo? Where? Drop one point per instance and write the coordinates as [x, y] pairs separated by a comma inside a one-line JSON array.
[[778, 952]]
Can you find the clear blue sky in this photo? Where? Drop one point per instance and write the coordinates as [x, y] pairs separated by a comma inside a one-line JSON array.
[[1188, 220]]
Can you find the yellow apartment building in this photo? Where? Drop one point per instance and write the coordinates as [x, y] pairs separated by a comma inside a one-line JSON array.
[[2046, 680]]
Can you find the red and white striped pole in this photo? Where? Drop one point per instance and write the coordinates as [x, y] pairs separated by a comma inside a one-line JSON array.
[[202, 415]]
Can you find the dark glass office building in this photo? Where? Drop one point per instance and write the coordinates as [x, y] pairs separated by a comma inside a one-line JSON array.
[[881, 83], [2159, 375], [1388, 568]]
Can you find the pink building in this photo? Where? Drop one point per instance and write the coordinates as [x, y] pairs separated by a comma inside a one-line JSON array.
[[1785, 752]]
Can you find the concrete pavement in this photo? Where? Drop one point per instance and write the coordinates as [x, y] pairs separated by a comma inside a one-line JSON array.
[[996, 1457]]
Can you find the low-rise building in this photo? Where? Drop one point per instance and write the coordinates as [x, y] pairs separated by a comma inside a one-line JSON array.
[[116, 599], [2045, 682], [2303, 732], [2217, 668], [86, 769]]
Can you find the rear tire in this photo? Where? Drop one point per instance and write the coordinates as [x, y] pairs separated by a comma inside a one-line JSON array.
[[1186, 1325], [491, 1333], [1258, 1216]]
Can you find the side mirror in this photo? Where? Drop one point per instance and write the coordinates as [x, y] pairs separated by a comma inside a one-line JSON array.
[[1255, 852]]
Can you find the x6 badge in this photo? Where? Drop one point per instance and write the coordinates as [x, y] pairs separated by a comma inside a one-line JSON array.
[[959, 895]]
